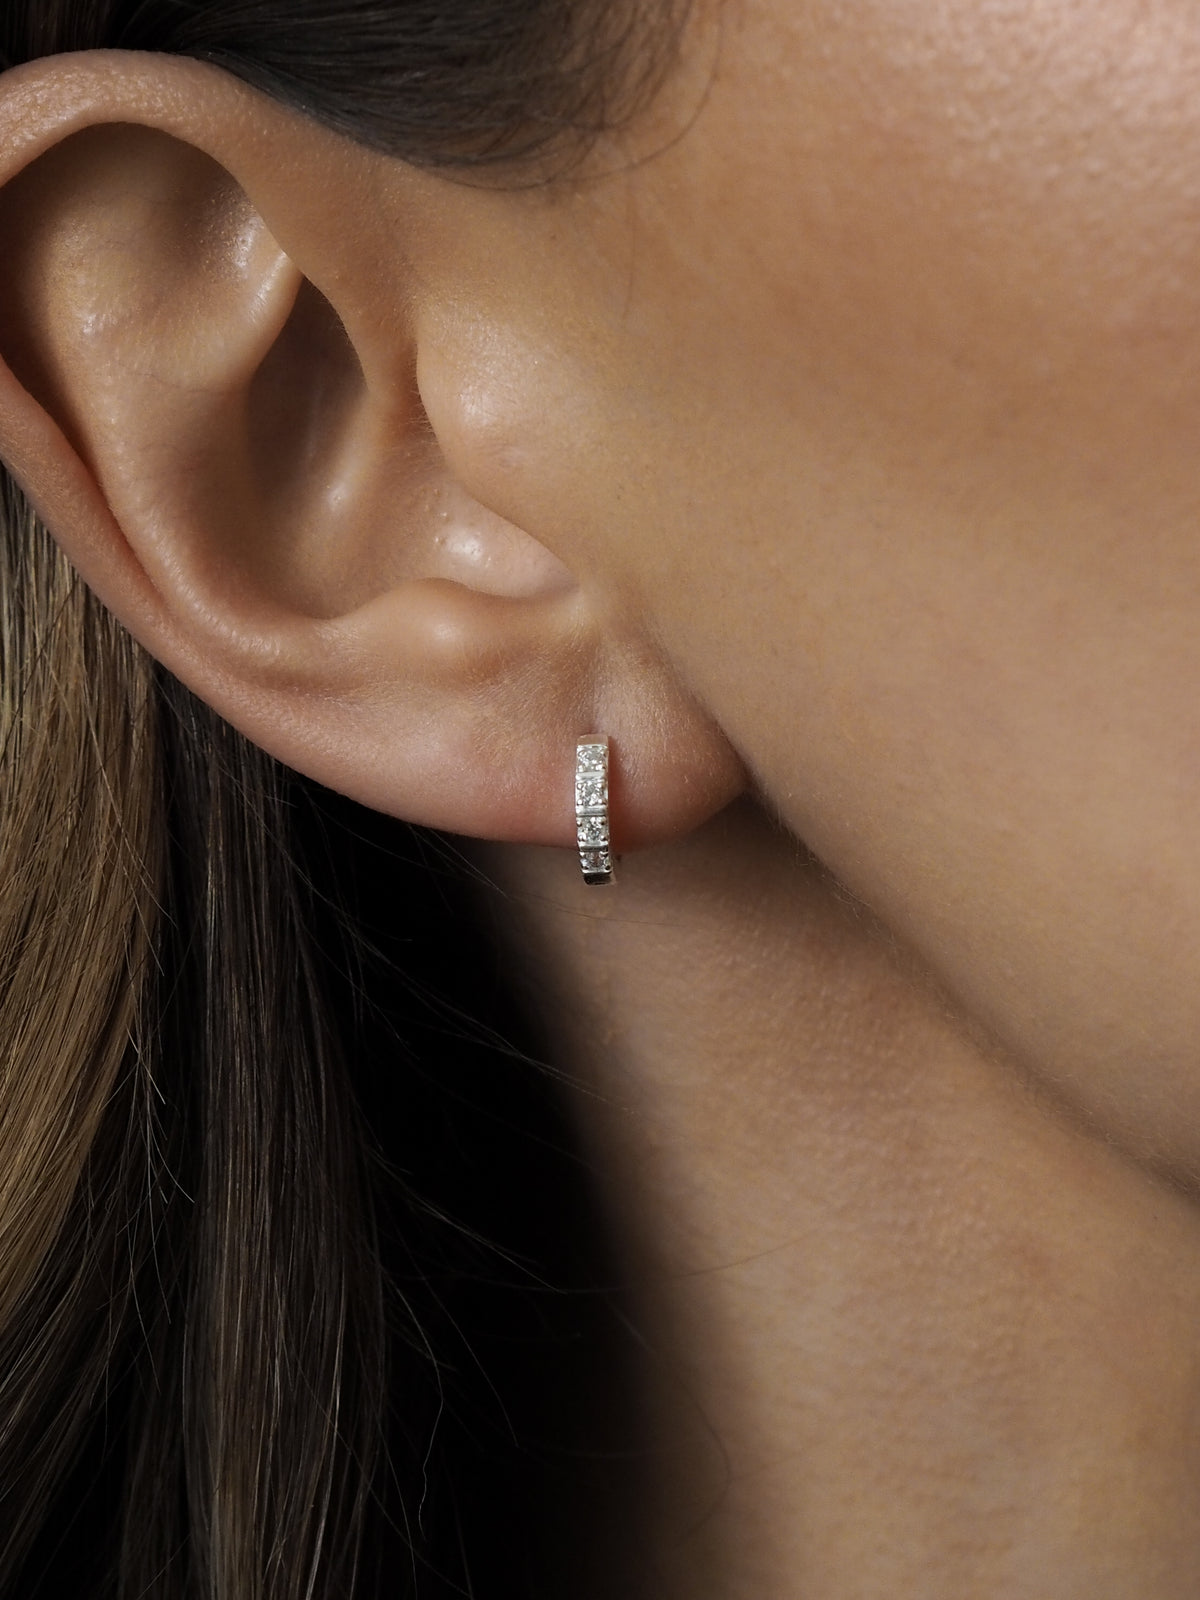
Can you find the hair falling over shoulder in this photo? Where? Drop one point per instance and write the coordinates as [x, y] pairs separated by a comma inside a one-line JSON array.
[[191, 1298], [182, 1211]]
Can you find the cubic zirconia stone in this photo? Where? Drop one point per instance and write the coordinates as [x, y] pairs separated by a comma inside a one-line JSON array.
[[595, 861], [590, 790], [593, 830], [591, 757]]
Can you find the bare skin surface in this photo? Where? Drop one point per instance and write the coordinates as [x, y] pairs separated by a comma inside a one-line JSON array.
[[912, 1334], [829, 440]]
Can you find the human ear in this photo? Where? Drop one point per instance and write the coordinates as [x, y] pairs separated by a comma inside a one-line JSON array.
[[234, 390]]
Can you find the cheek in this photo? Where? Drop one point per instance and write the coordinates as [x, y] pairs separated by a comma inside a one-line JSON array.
[[911, 328], [1043, 187], [963, 217]]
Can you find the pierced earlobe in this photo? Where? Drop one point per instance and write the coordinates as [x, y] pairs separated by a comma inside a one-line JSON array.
[[591, 809]]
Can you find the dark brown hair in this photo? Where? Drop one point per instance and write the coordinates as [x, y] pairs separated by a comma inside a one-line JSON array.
[[207, 1351], [440, 82]]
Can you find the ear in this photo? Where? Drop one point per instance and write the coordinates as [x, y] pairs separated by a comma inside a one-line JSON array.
[[235, 390]]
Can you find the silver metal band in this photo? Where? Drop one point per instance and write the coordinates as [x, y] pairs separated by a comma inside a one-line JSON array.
[[591, 809]]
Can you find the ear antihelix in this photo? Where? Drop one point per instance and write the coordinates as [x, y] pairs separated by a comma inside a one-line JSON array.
[[127, 248]]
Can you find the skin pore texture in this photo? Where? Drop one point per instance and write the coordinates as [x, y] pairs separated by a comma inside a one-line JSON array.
[[827, 439], [909, 1332]]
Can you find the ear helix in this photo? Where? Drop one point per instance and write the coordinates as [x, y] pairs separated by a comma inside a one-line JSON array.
[[591, 809]]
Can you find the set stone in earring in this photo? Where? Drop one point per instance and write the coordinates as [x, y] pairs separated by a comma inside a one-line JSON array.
[[591, 809]]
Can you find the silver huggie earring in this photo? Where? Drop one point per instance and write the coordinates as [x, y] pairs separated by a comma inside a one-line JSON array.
[[591, 809]]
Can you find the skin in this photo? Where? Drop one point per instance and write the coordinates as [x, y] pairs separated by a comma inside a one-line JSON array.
[[828, 439], [909, 1331]]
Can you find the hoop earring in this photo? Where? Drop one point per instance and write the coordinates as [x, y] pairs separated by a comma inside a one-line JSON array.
[[591, 809]]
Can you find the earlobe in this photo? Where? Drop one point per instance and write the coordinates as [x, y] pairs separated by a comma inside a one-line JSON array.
[[216, 406]]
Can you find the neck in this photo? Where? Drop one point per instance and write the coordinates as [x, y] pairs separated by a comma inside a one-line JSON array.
[[911, 1333]]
